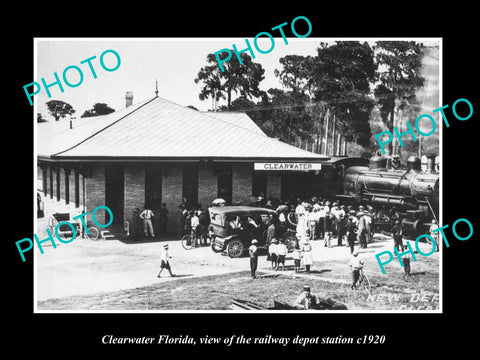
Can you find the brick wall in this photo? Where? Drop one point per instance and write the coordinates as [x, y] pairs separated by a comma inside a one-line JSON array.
[[172, 196], [134, 190], [274, 185], [207, 185], [241, 181]]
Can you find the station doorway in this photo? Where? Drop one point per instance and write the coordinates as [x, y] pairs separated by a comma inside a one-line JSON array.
[[114, 192]]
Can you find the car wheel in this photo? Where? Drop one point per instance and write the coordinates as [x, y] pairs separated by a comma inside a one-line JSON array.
[[235, 248]]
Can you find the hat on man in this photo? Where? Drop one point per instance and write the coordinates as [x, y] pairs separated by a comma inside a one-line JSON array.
[[274, 241], [355, 253], [306, 288], [254, 241], [165, 246]]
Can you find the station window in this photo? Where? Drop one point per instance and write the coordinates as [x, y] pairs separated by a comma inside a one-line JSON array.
[[67, 186], [153, 188], [259, 183], [190, 184], [77, 189], [57, 173], [44, 180], [51, 182], [224, 183]]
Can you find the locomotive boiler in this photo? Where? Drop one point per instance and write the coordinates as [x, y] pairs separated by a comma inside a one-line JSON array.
[[410, 195]]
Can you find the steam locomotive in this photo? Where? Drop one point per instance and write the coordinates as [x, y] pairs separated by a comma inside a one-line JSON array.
[[410, 195]]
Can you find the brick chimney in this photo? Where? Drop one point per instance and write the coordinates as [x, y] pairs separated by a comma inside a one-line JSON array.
[[129, 98]]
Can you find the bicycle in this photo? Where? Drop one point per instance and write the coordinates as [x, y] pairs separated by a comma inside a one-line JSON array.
[[93, 233], [191, 240], [65, 231], [364, 282]]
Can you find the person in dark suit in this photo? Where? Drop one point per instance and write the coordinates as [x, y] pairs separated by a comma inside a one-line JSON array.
[[350, 229], [253, 253], [397, 233]]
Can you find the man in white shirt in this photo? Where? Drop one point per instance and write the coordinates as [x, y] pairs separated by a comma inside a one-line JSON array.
[[146, 215], [235, 223], [355, 264], [306, 300], [253, 253], [311, 218]]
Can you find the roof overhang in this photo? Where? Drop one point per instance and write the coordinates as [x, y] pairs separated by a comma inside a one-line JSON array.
[[100, 159]]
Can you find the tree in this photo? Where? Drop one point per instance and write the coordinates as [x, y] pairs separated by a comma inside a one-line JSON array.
[[399, 63], [40, 118], [341, 77], [243, 79], [59, 109], [286, 116], [296, 74], [210, 76], [97, 110]]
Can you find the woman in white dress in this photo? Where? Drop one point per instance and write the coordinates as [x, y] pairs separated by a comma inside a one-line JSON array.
[[300, 214], [307, 257]]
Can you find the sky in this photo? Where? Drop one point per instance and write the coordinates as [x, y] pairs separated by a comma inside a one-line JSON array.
[[173, 62]]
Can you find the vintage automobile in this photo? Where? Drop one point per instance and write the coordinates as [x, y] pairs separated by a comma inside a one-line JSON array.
[[234, 228]]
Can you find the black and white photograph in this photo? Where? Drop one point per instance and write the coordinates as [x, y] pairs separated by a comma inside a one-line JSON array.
[[245, 180], [218, 180]]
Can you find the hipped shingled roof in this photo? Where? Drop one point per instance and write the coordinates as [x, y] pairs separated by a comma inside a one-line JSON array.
[[161, 130]]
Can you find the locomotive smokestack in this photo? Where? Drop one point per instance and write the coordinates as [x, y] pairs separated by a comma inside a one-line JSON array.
[[431, 163], [414, 163], [378, 163]]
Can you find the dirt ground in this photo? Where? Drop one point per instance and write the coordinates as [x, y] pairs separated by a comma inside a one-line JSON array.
[[88, 268]]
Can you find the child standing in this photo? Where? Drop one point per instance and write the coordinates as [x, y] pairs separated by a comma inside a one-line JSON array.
[[281, 255], [253, 253], [355, 265], [307, 256], [272, 253], [406, 261], [165, 263], [296, 255]]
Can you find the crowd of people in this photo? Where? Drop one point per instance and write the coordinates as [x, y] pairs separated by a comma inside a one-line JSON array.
[[317, 219], [322, 219]]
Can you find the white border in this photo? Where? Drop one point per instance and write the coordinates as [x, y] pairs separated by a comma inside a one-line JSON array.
[[345, 312]]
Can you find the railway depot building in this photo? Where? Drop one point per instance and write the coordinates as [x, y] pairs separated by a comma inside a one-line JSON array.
[[157, 152]]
